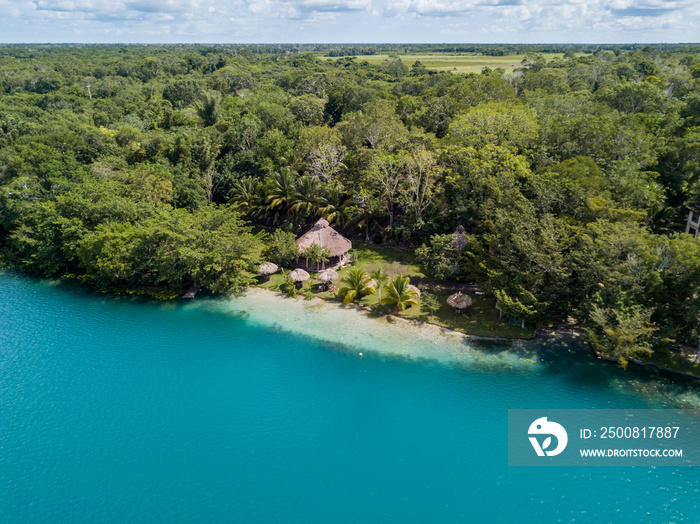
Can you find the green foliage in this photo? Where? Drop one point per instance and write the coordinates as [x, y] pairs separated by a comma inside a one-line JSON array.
[[498, 123], [519, 304], [430, 305], [634, 97], [357, 285], [280, 248], [380, 277], [440, 257], [309, 291], [210, 248], [398, 295], [289, 288], [316, 255], [621, 329]]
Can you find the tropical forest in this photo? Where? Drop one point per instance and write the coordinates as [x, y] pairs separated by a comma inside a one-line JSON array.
[[572, 171]]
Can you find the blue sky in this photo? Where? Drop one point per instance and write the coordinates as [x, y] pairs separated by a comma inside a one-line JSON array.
[[258, 21]]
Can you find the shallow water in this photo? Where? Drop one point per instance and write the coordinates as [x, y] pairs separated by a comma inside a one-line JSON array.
[[260, 409]]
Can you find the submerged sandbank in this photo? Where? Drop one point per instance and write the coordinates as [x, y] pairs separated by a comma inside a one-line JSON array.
[[362, 334], [355, 330]]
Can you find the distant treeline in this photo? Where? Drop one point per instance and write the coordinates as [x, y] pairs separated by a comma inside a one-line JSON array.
[[28, 51]]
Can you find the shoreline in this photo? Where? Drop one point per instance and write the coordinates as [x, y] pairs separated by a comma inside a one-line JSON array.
[[428, 330], [371, 313], [412, 325], [356, 331]]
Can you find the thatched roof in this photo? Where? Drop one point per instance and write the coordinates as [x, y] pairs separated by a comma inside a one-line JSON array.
[[325, 236], [299, 275], [329, 275], [459, 300], [461, 238], [267, 268], [415, 290]]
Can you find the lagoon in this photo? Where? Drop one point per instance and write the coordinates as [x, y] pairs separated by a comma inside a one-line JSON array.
[[261, 409]]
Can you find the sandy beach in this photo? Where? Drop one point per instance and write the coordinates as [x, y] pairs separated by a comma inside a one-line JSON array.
[[351, 329]]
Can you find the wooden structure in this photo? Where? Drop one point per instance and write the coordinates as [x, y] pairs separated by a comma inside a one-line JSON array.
[[461, 239], [299, 276], [324, 235], [693, 221], [459, 301], [266, 269]]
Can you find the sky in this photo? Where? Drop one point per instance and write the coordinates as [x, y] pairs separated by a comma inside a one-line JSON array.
[[349, 21]]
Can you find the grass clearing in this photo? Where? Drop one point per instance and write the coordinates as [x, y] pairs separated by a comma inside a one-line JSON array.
[[455, 62]]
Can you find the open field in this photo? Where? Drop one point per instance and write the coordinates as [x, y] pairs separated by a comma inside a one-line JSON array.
[[458, 62]]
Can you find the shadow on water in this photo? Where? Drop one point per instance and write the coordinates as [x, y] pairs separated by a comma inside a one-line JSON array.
[[571, 358]]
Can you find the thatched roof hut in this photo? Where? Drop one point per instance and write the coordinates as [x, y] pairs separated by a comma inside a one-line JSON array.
[[461, 239], [329, 275], [299, 275], [415, 290], [459, 301], [325, 236], [267, 268]]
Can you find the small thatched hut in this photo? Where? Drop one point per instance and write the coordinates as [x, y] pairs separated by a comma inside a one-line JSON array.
[[461, 239], [329, 275], [267, 268], [415, 290], [299, 276], [324, 235], [459, 301]]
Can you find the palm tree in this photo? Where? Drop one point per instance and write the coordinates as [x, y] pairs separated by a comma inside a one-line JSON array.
[[358, 285], [380, 277], [209, 109], [245, 196], [334, 203], [280, 191], [306, 197], [399, 295]]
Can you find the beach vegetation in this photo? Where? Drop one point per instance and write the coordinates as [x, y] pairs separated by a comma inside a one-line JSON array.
[[398, 295], [357, 285]]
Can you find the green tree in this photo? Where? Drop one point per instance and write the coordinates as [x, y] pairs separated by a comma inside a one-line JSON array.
[[398, 294], [316, 255], [280, 191], [376, 126], [280, 248], [209, 108], [380, 277], [634, 97], [500, 123], [357, 285], [622, 330], [430, 305], [440, 257]]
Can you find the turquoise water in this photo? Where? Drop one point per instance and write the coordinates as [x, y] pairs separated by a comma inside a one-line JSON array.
[[125, 410]]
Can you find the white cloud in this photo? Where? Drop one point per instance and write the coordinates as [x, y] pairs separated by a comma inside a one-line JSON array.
[[351, 20]]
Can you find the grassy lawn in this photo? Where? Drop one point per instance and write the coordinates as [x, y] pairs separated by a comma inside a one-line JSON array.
[[480, 319], [456, 62]]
